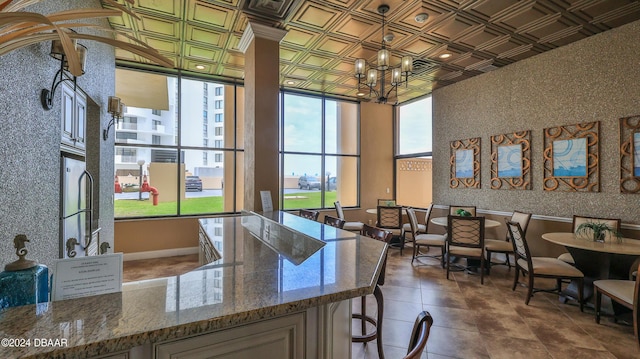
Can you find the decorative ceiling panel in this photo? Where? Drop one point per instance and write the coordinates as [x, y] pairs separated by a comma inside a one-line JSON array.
[[326, 36]]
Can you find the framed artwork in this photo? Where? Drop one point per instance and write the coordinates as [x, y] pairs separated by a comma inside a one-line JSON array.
[[465, 163], [511, 160], [571, 158], [630, 154]]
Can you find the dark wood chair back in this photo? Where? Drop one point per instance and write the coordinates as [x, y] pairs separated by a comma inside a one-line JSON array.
[[389, 217], [312, 215], [339, 210], [465, 231], [381, 235], [520, 246], [419, 335], [334, 221]]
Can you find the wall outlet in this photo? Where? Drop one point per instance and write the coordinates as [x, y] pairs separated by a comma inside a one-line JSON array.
[[388, 190]]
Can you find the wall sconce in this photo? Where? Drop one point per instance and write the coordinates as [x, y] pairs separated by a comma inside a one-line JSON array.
[[46, 96], [116, 109]]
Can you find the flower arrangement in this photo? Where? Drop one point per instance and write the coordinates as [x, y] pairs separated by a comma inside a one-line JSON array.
[[463, 213], [597, 231]]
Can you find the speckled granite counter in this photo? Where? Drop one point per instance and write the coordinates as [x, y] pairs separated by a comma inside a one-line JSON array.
[[250, 282]]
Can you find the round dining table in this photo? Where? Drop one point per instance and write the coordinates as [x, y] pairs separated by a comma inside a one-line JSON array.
[[597, 260]]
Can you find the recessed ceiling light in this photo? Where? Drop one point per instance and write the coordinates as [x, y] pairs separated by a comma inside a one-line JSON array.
[[421, 17], [360, 94], [200, 67], [446, 55], [291, 82]]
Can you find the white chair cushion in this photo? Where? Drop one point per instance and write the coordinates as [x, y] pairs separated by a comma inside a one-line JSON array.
[[465, 251], [430, 239], [567, 258], [622, 289], [407, 228], [496, 245], [353, 226], [551, 266]]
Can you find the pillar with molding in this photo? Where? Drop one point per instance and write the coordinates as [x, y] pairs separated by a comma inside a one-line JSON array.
[[261, 47]]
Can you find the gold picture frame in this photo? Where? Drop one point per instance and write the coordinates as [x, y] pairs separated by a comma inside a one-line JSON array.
[[630, 154], [511, 161], [571, 158], [465, 163]]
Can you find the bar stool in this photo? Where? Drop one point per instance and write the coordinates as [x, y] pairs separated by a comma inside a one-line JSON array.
[[376, 333]]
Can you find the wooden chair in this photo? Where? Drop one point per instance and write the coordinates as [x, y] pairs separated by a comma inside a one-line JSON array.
[[386, 202], [424, 239], [312, 215], [624, 292], [540, 267], [390, 218], [577, 221], [465, 238], [348, 226], [504, 246], [419, 335], [384, 236], [334, 221], [470, 209]]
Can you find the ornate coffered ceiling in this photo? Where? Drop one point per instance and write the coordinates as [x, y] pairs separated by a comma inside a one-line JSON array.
[[326, 36]]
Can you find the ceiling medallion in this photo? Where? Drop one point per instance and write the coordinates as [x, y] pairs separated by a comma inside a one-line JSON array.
[[369, 78]]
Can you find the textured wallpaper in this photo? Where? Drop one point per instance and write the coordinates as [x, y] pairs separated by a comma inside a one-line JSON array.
[[30, 142], [595, 79]]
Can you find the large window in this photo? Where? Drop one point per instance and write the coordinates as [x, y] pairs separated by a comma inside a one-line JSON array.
[[413, 153], [319, 152], [168, 156]]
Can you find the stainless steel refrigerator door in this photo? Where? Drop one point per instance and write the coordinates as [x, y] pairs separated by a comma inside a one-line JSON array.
[[73, 221]]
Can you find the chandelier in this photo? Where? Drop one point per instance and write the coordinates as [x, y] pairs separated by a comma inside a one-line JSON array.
[[369, 78]]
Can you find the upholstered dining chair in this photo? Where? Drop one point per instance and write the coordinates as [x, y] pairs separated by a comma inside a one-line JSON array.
[[422, 228], [386, 202], [376, 334], [334, 221], [390, 218], [624, 292], [504, 246], [614, 223], [470, 209], [348, 226], [540, 267], [465, 238], [419, 335], [424, 239], [308, 214]]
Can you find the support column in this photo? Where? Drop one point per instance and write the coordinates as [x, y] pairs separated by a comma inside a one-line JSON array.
[[261, 47]]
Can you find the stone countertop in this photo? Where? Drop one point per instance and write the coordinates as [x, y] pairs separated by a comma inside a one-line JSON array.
[[251, 281]]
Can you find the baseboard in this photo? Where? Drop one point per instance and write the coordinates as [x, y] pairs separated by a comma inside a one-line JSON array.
[[160, 253]]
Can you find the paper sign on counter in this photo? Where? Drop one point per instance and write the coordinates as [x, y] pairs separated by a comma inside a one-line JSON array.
[[87, 276]]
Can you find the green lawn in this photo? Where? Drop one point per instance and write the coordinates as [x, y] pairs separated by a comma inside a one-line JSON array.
[[145, 208]]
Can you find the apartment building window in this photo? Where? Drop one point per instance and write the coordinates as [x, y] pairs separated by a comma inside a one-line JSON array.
[[218, 91], [156, 112], [218, 104], [126, 136], [413, 150], [319, 152], [219, 131], [218, 117], [205, 101], [180, 147]]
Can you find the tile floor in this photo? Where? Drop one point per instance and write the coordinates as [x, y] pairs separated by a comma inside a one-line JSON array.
[[470, 320]]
